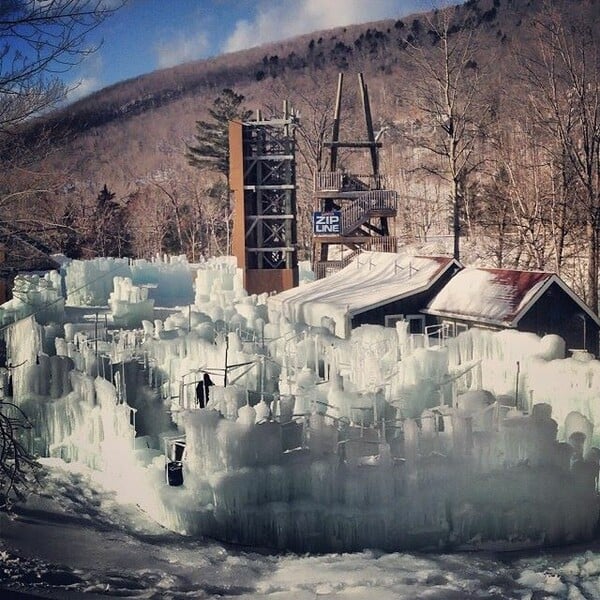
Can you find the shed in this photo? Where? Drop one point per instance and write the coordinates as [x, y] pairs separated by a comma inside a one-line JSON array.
[[375, 288], [534, 301]]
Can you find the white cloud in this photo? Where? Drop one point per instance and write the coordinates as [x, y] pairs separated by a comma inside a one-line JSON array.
[[83, 87], [288, 18], [89, 78], [182, 48]]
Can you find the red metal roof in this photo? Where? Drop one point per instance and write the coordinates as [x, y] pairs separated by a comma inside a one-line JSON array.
[[495, 296]]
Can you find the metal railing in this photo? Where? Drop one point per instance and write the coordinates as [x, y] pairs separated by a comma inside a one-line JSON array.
[[359, 211], [323, 269], [338, 181]]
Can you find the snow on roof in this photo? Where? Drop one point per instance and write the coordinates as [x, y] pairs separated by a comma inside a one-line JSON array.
[[495, 296], [372, 279]]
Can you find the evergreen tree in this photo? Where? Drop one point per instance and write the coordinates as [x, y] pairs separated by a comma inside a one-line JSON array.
[[211, 141], [110, 233], [105, 197]]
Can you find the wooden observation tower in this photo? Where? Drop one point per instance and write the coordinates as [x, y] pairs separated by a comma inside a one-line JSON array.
[[353, 212], [262, 176]]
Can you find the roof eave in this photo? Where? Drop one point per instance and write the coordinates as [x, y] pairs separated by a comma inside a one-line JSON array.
[[563, 286], [469, 318], [423, 288]]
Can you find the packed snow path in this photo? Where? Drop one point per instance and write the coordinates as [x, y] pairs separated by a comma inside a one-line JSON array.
[[76, 540]]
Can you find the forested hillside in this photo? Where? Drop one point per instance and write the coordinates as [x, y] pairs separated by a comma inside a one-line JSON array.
[[489, 110]]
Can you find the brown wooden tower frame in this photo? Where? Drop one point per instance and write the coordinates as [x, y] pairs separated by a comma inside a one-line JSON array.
[[262, 176], [362, 209]]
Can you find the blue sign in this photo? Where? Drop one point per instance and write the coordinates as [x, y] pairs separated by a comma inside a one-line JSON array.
[[327, 223]]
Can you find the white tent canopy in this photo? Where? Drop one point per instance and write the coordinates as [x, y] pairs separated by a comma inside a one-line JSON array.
[[371, 280]]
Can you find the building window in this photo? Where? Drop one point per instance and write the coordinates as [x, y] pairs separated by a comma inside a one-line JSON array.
[[416, 323], [391, 320]]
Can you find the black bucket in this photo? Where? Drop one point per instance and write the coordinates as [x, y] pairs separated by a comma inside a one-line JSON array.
[[174, 472]]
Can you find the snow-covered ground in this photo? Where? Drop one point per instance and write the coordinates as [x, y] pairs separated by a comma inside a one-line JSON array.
[[74, 540]]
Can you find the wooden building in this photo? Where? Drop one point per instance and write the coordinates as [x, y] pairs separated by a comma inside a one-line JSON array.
[[534, 301], [437, 296], [376, 288]]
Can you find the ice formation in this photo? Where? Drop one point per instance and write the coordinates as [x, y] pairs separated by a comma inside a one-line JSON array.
[[169, 280], [37, 295], [129, 303], [309, 442]]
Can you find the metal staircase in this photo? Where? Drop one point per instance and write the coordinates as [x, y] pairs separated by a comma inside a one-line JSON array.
[[366, 207]]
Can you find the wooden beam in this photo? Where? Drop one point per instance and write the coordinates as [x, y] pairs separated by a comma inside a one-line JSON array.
[[369, 121], [335, 136]]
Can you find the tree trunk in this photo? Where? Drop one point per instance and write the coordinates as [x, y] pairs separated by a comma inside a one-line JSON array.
[[456, 218], [592, 271]]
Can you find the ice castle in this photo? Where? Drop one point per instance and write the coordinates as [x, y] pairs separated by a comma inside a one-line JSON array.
[[306, 442]]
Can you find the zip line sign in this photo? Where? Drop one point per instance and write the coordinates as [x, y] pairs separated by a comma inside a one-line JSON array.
[[327, 222]]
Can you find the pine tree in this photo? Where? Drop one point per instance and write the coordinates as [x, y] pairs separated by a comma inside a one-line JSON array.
[[211, 145], [109, 228]]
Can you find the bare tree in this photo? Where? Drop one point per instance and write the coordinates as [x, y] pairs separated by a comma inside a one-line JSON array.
[[148, 216], [449, 92], [17, 465], [40, 41], [563, 79]]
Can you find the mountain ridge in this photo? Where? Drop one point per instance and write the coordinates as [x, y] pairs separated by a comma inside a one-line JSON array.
[[341, 47]]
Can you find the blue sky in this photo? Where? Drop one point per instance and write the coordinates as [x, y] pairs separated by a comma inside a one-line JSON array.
[[147, 35]]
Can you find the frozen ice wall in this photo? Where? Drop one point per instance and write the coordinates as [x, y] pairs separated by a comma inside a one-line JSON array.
[[525, 369], [318, 443], [341, 467], [184, 359], [82, 421], [129, 303], [305, 272], [169, 279], [75, 416], [23, 343], [90, 282], [35, 294], [218, 281], [309, 486]]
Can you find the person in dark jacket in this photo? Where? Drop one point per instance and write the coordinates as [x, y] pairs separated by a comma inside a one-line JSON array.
[[202, 390]]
